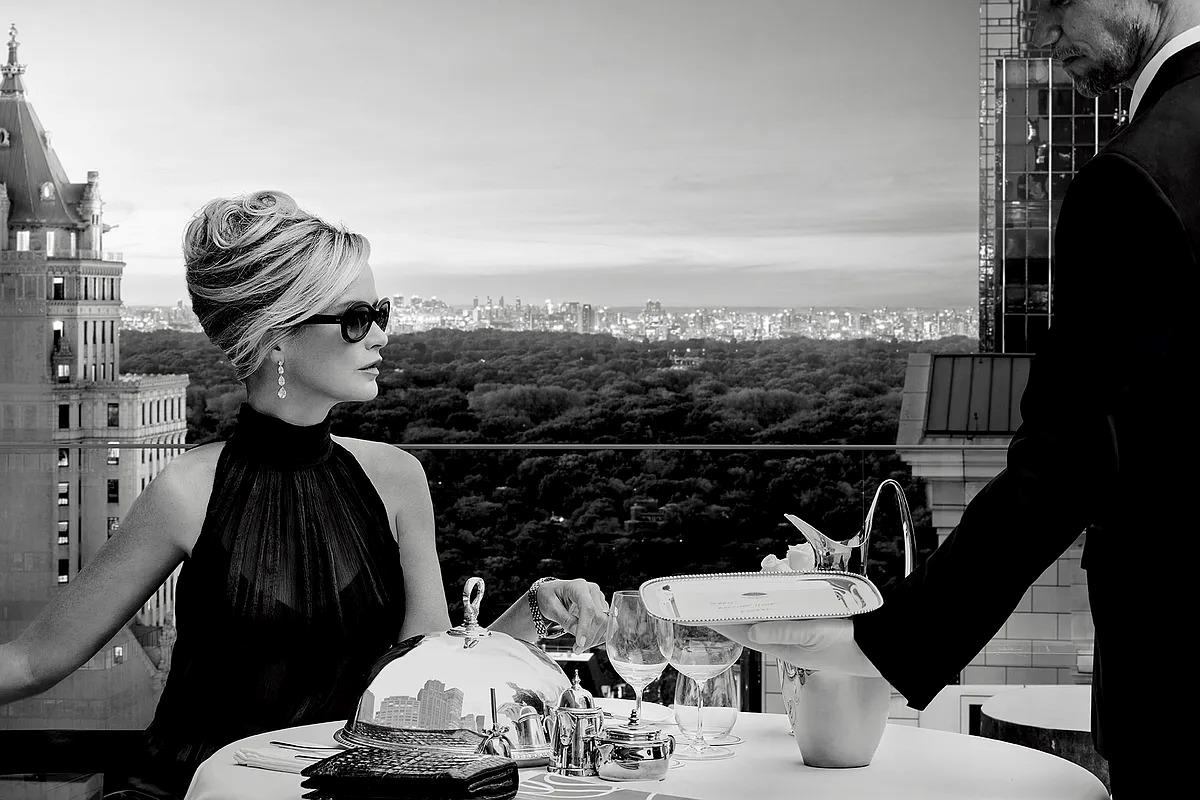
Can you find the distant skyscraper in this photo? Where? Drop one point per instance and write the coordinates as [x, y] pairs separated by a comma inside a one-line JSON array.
[[1035, 132], [63, 401], [586, 319]]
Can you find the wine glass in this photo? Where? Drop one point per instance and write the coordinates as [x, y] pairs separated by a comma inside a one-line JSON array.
[[720, 701], [701, 654], [633, 646]]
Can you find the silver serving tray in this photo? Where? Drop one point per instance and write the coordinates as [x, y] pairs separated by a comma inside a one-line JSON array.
[[748, 597]]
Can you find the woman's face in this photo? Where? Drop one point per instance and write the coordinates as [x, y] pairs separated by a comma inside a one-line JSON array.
[[322, 367]]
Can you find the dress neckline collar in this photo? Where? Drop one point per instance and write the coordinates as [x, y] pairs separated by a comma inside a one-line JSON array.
[[272, 442]]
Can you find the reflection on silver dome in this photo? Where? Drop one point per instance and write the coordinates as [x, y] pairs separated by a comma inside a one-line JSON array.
[[445, 682]]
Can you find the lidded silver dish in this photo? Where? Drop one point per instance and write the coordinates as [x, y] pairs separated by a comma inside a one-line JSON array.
[[453, 689]]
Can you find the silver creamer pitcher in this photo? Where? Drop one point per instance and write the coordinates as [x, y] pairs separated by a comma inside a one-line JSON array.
[[838, 719]]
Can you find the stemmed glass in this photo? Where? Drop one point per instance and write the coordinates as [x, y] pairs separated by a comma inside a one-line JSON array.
[[701, 654], [633, 646], [720, 701]]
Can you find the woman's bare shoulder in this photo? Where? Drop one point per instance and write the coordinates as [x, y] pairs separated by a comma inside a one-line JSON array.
[[380, 458]]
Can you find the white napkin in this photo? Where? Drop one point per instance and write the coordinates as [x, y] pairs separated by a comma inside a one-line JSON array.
[[280, 759]]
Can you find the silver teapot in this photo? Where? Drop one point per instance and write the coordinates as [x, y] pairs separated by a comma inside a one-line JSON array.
[[575, 729], [470, 685], [582, 746]]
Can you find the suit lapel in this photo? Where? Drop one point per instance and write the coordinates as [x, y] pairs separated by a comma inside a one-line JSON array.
[[1180, 67]]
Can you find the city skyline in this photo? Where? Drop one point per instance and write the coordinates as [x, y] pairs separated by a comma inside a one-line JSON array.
[[725, 153], [654, 321]]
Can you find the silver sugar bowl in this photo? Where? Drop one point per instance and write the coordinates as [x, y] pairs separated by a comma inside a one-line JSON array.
[[637, 753], [469, 684]]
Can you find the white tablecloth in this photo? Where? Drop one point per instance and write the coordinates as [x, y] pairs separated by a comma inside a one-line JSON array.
[[910, 763]]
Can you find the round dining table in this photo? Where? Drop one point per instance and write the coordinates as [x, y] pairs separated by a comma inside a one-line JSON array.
[[911, 762]]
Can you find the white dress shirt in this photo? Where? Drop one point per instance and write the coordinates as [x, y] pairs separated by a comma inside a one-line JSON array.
[[1186, 39]]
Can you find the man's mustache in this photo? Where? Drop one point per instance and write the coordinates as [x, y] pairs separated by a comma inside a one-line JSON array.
[[1065, 53]]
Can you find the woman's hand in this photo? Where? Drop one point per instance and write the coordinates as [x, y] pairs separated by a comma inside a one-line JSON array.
[[579, 606]]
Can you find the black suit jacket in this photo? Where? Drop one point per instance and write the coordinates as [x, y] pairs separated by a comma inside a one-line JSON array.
[[1108, 444]]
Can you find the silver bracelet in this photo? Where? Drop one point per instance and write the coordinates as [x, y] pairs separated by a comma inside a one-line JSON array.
[[542, 627]]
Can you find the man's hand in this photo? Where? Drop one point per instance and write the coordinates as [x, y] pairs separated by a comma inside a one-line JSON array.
[[811, 644], [579, 606]]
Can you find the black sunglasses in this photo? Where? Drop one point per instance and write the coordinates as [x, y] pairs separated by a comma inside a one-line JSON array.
[[356, 320]]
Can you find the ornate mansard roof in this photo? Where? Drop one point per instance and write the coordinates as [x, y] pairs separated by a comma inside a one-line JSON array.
[[38, 189]]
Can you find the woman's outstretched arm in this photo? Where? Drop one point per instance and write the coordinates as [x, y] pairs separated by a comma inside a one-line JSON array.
[[577, 605], [107, 592]]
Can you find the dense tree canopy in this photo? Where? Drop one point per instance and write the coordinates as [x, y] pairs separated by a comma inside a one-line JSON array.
[[512, 515]]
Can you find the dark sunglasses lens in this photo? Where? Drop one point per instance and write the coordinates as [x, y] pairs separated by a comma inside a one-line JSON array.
[[356, 322], [383, 313]]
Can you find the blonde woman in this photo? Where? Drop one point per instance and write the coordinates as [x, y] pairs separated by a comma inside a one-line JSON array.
[[305, 555]]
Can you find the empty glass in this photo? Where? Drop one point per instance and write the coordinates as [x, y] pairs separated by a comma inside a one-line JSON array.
[[720, 700], [633, 646], [701, 654]]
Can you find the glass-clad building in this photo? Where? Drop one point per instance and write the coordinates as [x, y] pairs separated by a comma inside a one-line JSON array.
[[1035, 133], [1045, 132]]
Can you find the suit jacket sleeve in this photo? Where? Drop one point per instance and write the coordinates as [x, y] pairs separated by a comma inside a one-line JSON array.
[[1116, 234]]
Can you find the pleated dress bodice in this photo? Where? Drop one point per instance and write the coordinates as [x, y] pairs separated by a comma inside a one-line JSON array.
[[292, 591]]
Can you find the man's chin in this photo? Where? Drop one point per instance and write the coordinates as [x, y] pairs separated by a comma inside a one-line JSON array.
[[1087, 88], [1092, 85]]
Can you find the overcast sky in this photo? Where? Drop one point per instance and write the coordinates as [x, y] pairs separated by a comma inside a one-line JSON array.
[[701, 152]]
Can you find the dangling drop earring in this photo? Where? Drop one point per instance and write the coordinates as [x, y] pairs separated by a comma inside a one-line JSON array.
[[282, 383]]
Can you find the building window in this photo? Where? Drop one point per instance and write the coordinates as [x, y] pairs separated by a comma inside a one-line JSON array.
[[64, 416], [114, 415], [114, 454], [22, 240], [104, 372], [59, 289], [57, 327], [64, 457], [64, 531], [118, 654], [114, 490], [64, 494], [47, 191], [64, 570], [64, 373], [143, 417], [113, 524]]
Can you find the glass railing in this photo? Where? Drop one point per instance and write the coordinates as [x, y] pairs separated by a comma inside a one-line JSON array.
[[616, 514]]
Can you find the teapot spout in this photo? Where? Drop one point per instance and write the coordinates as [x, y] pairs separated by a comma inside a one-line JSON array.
[[830, 553]]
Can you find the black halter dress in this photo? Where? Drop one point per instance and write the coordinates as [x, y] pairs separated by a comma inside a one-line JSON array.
[[292, 591]]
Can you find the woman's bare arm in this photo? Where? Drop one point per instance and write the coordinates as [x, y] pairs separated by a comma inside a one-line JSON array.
[[425, 608], [156, 535]]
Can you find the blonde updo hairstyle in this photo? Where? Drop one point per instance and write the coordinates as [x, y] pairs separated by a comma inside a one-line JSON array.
[[257, 265]]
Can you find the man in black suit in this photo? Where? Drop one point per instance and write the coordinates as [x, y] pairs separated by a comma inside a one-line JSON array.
[[1108, 441]]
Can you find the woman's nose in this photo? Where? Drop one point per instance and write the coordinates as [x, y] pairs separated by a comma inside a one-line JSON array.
[[376, 337]]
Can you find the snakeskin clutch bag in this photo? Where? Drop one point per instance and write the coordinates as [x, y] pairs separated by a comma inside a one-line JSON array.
[[364, 773]]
